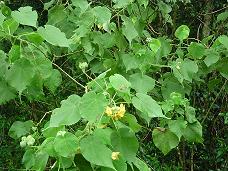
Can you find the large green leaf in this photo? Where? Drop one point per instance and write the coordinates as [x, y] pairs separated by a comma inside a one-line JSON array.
[[193, 132], [182, 32], [25, 16], [20, 74], [41, 159], [125, 142], [56, 14], [165, 140], [66, 144], [211, 57], [147, 105], [68, 113], [122, 3], [92, 106], [96, 152], [141, 83], [18, 129], [53, 35], [119, 83]]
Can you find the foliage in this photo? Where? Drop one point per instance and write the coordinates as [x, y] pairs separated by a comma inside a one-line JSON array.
[[130, 82]]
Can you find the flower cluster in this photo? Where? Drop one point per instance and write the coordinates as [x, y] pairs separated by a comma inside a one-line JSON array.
[[29, 140], [116, 112], [115, 155]]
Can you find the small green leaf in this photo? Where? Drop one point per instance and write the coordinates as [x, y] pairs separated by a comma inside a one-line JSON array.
[[66, 145], [119, 83], [29, 158], [125, 142], [25, 16], [92, 106], [41, 159], [20, 74], [193, 132], [94, 151], [68, 113], [196, 50], [147, 105], [53, 35], [223, 40], [165, 140], [142, 83], [211, 57], [18, 129], [182, 32], [155, 45]]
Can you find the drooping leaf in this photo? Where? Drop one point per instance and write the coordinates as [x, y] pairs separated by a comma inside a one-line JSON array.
[[128, 29], [193, 132], [177, 127], [142, 83], [20, 74], [155, 45], [125, 142], [68, 113], [18, 129], [53, 35], [119, 83], [211, 57], [182, 32], [147, 105], [66, 145], [92, 106], [6, 92], [96, 152], [165, 140], [54, 81], [25, 16]]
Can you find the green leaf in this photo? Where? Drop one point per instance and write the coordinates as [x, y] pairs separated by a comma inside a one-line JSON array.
[[155, 45], [182, 32], [95, 152], [131, 121], [20, 74], [92, 106], [41, 160], [53, 35], [68, 113], [82, 4], [143, 2], [196, 50], [141, 83], [35, 38], [29, 158], [184, 70], [10, 26], [193, 132], [119, 83], [56, 14], [165, 140], [18, 129], [54, 81], [130, 61], [141, 165], [14, 53], [125, 142], [6, 92], [66, 145], [128, 29], [25, 16], [223, 40], [102, 14], [2, 18], [211, 57], [177, 127], [48, 146], [122, 3], [147, 105]]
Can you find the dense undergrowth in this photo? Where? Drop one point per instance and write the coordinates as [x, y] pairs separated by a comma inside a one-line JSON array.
[[113, 85]]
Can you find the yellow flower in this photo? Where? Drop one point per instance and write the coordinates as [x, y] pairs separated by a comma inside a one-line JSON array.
[[108, 111], [120, 113], [115, 155]]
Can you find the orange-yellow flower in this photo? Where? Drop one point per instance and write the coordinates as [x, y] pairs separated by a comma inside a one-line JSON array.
[[108, 111], [115, 155], [116, 112]]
